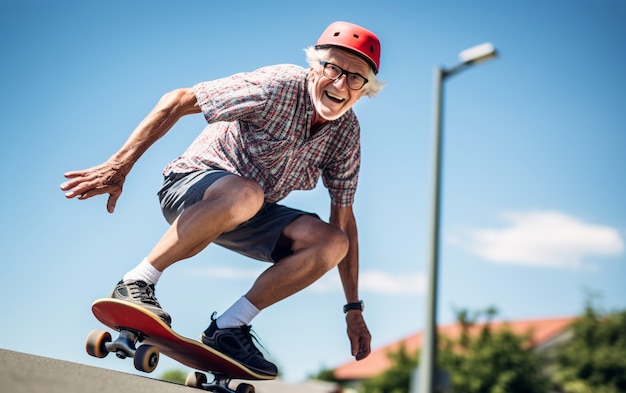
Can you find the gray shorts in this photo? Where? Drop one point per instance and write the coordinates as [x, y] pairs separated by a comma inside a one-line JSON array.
[[258, 238]]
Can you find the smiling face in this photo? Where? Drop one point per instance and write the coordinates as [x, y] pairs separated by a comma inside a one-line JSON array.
[[332, 98]]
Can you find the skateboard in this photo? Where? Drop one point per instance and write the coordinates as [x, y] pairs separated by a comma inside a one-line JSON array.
[[138, 325]]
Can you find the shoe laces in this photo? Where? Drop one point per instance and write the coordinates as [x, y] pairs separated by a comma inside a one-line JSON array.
[[249, 340], [143, 292]]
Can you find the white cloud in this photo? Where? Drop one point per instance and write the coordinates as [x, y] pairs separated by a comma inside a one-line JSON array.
[[543, 238], [382, 282], [376, 281]]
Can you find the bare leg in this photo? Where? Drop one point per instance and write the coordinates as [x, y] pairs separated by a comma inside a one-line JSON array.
[[230, 201], [317, 247]]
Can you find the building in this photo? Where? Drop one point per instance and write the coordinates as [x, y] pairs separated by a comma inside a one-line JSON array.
[[544, 334]]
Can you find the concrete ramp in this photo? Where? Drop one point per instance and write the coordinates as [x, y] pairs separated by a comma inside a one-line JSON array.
[[23, 373]]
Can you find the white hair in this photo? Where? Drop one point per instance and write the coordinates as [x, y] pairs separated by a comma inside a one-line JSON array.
[[314, 56]]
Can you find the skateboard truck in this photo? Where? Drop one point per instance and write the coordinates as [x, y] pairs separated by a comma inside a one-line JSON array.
[[124, 345], [219, 384], [145, 357]]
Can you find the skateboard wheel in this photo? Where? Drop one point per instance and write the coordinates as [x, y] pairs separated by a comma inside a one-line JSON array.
[[146, 358], [195, 379], [244, 388], [96, 343]]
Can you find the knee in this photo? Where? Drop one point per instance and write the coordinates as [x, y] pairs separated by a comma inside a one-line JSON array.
[[238, 198], [248, 192], [335, 246], [247, 198], [322, 245]]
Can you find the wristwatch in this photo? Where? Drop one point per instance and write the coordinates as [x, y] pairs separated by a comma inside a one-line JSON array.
[[354, 306]]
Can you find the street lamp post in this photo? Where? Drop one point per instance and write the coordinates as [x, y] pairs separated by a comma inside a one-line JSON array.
[[428, 360]]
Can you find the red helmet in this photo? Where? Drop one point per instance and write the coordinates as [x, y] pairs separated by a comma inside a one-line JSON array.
[[352, 37]]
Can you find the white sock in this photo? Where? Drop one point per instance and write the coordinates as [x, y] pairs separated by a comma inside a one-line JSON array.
[[239, 314], [144, 272]]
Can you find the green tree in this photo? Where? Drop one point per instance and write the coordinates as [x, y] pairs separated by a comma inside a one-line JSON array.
[[395, 379], [175, 376], [482, 362], [491, 361], [594, 360], [325, 374]]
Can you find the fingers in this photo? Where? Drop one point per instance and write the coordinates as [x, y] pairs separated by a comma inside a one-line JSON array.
[[112, 202], [81, 186], [102, 179], [69, 185], [361, 355], [361, 347], [360, 337], [364, 350], [73, 174]]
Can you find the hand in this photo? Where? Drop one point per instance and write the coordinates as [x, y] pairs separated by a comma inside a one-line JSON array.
[[360, 337], [106, 178]]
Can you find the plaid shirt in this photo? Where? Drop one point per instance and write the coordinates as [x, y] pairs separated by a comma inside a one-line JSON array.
[[260, 128]]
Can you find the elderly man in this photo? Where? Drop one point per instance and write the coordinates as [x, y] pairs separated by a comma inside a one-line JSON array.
[[270, 131]]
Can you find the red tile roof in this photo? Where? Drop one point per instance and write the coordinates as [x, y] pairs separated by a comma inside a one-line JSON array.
[[541, 329]]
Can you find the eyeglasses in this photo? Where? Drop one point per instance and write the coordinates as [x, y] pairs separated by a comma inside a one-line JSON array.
[[353, 80]]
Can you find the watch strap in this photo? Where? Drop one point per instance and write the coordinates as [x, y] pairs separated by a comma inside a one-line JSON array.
[[354, 306]]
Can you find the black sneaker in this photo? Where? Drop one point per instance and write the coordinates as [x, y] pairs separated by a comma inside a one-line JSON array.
[[237, 344], [139, 292]]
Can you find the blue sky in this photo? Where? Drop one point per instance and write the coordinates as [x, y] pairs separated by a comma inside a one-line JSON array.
[[533, 192]]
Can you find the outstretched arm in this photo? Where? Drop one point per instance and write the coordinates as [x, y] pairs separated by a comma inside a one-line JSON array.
[[359, 335], [109, 177]]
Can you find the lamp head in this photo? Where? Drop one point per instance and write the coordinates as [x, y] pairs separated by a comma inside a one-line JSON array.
[[478, 54]]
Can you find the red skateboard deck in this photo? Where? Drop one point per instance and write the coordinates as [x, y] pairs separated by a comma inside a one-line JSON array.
[[124, 316]]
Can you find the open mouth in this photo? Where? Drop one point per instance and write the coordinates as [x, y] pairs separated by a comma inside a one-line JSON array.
[[334, 98]]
